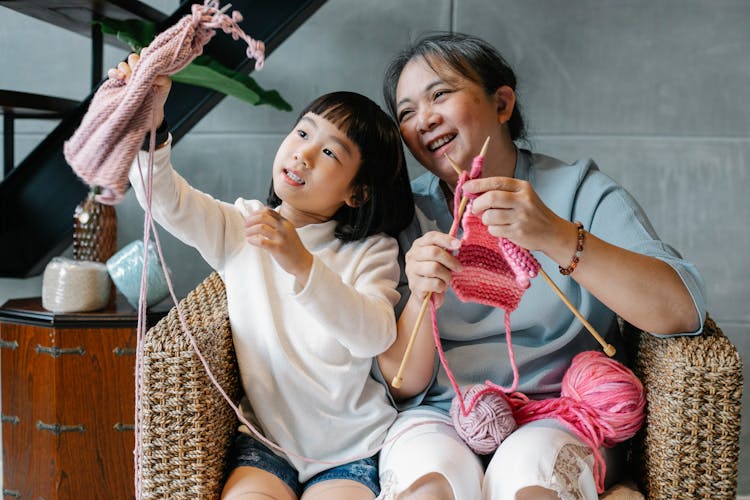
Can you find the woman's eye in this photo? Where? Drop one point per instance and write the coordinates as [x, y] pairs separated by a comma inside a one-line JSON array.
[[438, 94], [403, 115], [330, 153]]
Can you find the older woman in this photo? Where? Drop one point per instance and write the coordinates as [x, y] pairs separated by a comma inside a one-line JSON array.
[[449, 92]]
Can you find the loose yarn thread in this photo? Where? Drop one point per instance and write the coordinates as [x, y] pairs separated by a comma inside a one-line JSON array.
[[602, 401], [103, 147]]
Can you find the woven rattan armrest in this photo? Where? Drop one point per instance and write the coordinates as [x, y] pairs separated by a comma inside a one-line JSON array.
[[689, 444], [186, 424]]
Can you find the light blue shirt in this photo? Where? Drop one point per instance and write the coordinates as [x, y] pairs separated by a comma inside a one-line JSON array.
[[545, 334]]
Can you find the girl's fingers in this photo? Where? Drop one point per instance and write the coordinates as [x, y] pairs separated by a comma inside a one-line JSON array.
[[115, 74], [133, 59], [124, 68], [262, 215], [260, 230]]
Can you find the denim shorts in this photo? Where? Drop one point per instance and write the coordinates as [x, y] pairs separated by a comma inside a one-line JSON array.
[[247, 451]]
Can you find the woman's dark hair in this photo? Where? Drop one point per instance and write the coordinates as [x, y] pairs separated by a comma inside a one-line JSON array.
[[382, 181], [468, 56]]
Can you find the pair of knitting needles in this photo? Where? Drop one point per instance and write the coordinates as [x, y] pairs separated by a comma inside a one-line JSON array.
[[398, 379]]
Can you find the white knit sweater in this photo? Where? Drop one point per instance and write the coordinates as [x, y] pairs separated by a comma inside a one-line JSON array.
[[304, 354]]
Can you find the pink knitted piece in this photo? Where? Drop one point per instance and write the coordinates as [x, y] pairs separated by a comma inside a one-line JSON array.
[[495, 272], [111, 133]]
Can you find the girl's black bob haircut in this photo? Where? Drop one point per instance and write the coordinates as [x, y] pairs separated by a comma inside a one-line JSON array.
[[382, 181]]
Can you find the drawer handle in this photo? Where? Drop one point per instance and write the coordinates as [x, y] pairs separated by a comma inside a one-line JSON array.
[[8, 344], [10, 419], [11, 493], [124, 427], [58, 429], [124, 351], [56, 352]]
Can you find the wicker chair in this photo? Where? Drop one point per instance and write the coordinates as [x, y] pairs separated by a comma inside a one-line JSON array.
[[688, 448]]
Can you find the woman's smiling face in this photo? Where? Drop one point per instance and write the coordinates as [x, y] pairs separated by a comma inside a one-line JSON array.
[[442, 112], [313, 171]]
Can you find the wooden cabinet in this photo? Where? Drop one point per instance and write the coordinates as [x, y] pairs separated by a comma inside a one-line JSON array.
[[68, 392]]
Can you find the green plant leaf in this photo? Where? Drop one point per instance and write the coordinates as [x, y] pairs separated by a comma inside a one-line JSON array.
[[137, 33], [206, 71]]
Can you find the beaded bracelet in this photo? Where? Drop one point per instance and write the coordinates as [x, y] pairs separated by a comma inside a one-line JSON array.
[[579, 250]]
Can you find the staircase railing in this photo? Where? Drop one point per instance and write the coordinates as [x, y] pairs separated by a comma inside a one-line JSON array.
[[39, 195]]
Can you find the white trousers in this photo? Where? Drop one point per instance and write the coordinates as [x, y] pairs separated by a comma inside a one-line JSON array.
[[541, 453]]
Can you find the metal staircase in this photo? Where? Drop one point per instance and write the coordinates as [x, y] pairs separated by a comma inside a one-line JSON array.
[[38, 196]]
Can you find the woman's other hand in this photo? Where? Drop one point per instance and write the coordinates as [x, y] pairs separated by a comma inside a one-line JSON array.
[[510, 208], [430, 263]]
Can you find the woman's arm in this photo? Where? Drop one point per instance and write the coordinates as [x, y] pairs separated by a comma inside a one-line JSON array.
[[643, 290], [429, 264]]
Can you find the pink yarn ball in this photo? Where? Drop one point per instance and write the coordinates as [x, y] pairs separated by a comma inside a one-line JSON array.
[[487, 424], [612, 394]]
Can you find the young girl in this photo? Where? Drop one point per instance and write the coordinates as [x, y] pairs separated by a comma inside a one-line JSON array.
[[310, 286], [449, 92]]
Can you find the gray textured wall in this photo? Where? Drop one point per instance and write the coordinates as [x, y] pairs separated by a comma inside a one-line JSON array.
[[656, 92]]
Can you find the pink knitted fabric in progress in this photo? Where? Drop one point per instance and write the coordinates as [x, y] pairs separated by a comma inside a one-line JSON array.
[[495, 271], [111, 133]]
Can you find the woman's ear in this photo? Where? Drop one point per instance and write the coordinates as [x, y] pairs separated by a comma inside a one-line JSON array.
[[505, 99], [360, 195]]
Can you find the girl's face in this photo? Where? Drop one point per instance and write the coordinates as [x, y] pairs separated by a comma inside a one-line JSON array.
[[444, 113], [313, 171]]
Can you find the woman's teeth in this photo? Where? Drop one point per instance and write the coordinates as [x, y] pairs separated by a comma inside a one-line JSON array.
[[440, 142]]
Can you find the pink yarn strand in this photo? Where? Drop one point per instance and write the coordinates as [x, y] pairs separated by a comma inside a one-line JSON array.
[[490, 388]]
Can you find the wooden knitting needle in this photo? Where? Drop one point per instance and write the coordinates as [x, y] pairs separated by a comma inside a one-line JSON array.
[[609, 349], [398, 379]]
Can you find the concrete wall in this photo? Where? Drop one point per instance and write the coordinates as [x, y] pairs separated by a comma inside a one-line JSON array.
[[656, 92]]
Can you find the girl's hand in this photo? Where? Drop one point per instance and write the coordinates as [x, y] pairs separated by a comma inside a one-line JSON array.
[[267, 229], [511, 208], [162, 85], [429, 264]]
